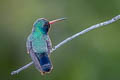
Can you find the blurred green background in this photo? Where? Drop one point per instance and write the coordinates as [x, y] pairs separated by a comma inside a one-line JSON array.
[[92, 56]]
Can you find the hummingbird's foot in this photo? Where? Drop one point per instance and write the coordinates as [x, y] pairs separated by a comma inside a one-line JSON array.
[[27, 51], [52, 49]]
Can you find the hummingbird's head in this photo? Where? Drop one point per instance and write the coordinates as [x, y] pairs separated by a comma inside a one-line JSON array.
[[43, 25]]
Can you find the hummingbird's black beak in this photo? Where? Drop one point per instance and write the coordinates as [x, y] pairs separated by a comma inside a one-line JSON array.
[[56, 20]]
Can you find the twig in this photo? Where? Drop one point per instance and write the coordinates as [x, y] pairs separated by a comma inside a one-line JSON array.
[[72, 37], [22, 68]]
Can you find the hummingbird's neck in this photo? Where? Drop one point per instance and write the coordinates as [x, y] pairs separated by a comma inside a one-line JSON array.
[[39, 31]]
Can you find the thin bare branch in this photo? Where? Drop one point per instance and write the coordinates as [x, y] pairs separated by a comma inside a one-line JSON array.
[[72, 37], [22, 68]]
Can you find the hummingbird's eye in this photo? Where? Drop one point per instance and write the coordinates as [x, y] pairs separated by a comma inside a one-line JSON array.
[[47, 25]]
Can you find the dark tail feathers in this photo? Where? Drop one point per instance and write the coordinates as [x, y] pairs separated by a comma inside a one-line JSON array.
[[44, 62]]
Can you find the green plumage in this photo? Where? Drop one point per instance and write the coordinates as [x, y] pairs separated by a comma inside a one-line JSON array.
[[39, 46], [39, 42]]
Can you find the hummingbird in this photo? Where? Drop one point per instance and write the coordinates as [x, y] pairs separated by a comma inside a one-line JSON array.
[[39, 45]]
